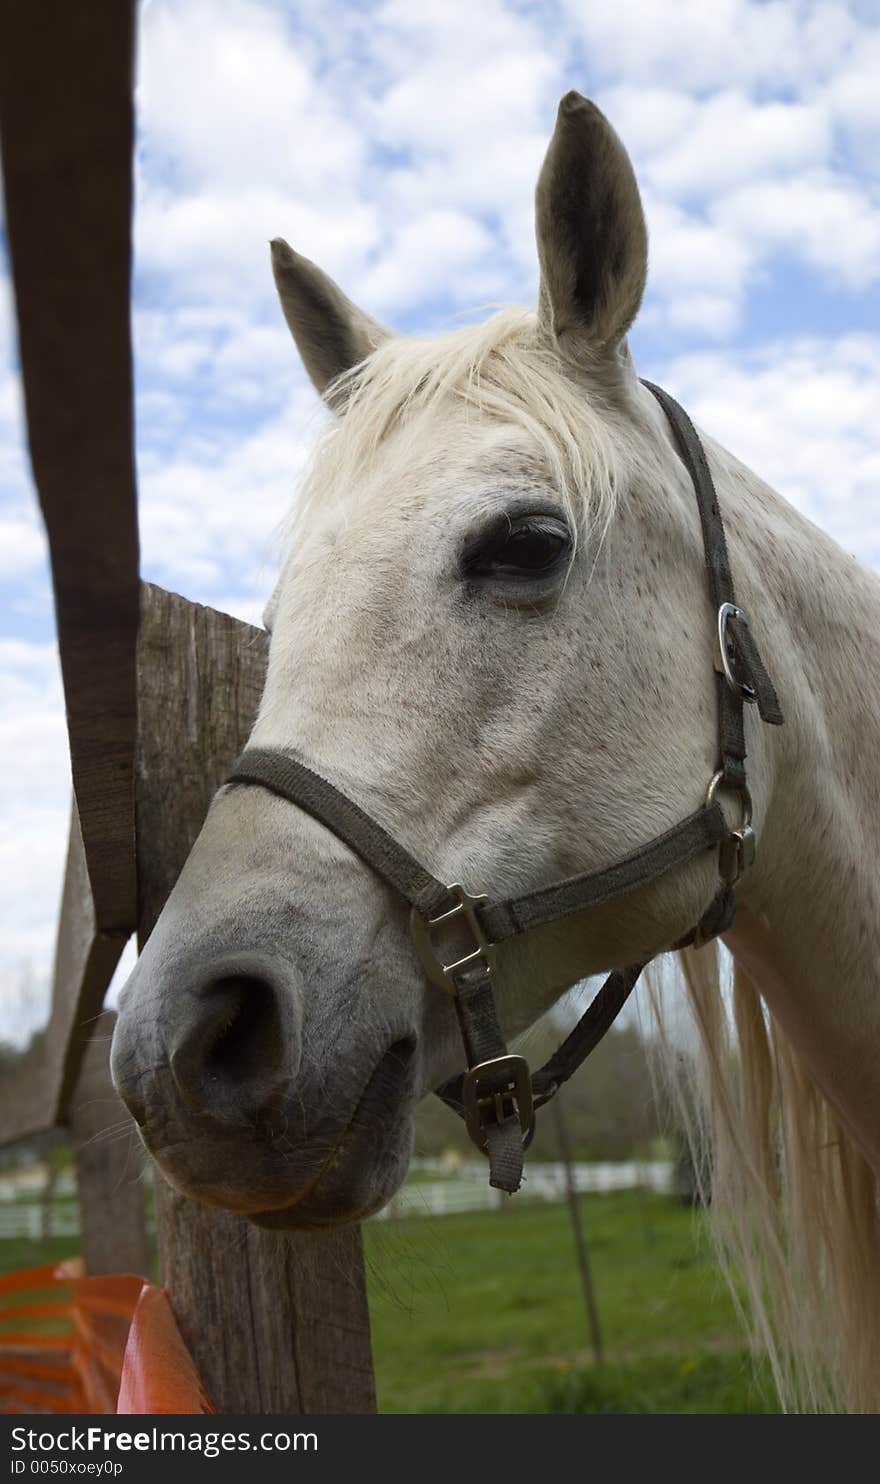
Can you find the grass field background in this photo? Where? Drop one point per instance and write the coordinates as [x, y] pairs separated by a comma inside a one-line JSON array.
[[484, 1313]]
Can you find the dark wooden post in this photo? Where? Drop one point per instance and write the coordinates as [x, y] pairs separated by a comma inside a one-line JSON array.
[[109, 1166], [275, 1323]]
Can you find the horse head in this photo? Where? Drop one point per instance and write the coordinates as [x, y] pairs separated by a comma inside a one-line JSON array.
[[492, 632]]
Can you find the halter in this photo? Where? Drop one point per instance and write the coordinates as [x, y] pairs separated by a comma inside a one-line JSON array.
[[498, 1094]]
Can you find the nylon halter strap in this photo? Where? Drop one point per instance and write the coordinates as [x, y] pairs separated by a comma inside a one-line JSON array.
[[456, 934]]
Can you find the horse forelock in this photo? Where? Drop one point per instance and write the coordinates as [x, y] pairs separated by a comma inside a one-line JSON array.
[[507, 373]]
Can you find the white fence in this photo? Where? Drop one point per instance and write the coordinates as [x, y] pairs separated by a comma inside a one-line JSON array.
[[467, 1190], [26, 1219]]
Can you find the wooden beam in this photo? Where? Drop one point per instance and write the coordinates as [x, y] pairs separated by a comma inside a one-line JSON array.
[[66, 125], [110, 1161], [275, 1323]]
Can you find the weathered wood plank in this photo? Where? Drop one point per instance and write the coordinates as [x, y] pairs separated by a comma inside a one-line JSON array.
[[66, 123], [36, 1097], [276, 1323], [109, 1165]]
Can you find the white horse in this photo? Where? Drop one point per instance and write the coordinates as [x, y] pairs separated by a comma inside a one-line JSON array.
[[493, 631]]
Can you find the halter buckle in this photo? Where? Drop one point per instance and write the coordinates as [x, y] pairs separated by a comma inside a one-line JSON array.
[[464, 912], [488, 1091], [736, 853], [726, 657]]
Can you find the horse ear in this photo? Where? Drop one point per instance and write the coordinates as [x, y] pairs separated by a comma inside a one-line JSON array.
[[592, 239], [331, 333]]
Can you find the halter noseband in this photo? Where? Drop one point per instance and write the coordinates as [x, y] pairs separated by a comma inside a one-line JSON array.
[[498, 1094]]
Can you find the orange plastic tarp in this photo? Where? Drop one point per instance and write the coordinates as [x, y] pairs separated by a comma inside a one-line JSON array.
[[69, 1343]]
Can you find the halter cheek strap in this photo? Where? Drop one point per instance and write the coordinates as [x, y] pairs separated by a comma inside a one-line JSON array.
[[456, 933]]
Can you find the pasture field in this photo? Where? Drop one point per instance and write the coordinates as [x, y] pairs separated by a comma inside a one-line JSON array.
[[483, 1312]]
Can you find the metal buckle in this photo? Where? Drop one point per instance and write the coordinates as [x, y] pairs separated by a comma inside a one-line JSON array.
[[440, 973], [736, 854], [726, 612], [517, 1089]]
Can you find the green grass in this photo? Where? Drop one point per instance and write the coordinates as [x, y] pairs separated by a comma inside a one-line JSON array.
[[22, 1252], [483, 1313]]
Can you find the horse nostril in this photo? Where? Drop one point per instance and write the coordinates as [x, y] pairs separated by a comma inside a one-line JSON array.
[[236, 1047], [247, 1040], [135, 1105], [398, 1057]]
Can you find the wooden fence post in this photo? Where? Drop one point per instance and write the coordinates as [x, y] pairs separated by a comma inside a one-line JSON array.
[[109, 1166], [275, 1322]]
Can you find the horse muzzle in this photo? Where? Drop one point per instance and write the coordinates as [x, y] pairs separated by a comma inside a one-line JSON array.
[[213, 1070]]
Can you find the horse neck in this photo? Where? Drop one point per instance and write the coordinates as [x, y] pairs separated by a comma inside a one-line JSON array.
[[808, 928]]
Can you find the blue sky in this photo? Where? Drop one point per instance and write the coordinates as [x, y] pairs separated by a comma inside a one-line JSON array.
[[398, 144]]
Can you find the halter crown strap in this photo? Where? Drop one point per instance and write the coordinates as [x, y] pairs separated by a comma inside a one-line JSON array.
[[754, 684]]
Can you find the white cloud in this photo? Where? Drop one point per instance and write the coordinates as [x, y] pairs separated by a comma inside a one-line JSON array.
[[12, 450], [685, 145], [832, 223], [697, 271], [444, 95], [701, 46], [244, 605], [213, 245], [211, 511], [241, 142], [803, 414], [22, 546], [358, 134], [228, 93], [34, 807], [853, 97], [424, 256], [7, 320], [211, 352]]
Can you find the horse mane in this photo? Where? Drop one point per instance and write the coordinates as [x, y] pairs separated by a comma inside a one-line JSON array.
[[506, 371], [792, 1201]]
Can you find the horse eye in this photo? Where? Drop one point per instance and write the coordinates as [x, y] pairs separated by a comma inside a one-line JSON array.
[[529, 546]]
